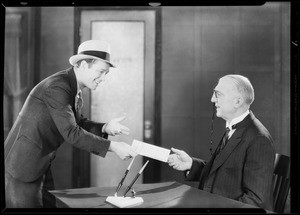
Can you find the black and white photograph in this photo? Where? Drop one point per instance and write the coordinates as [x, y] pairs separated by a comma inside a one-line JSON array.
[[150, 106]]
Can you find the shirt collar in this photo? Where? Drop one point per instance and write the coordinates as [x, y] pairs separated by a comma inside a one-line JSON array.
[[78, 89], [237, 119]]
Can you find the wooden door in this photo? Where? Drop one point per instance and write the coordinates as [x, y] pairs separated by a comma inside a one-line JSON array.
[[129, 89]]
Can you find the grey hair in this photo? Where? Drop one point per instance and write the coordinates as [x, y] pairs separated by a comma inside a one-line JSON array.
[[243, 86]]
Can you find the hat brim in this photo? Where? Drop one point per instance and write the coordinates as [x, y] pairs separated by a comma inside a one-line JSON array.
[[75, 58]]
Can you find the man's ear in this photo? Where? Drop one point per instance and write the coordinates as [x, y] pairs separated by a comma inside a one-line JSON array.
[[239, 101], [84, 64]]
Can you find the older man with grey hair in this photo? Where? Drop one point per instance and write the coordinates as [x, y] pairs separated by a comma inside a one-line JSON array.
[[242, 164]]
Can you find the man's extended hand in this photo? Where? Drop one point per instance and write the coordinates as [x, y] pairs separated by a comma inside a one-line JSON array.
[[122, 149], [180, 160], [114, 127]]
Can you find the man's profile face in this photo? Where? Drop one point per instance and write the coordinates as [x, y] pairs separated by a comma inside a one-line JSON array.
[[95, 74], [224, 98]]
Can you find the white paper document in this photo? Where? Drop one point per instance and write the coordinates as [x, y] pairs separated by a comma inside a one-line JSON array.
[[151, 151]]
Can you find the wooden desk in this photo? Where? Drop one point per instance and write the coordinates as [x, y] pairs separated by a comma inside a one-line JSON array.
[[157, 195]]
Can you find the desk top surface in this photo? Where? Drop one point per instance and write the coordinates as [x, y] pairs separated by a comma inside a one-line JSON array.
[[157, 195]]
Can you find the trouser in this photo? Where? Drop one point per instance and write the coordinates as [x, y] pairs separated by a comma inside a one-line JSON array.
[[19, 194]]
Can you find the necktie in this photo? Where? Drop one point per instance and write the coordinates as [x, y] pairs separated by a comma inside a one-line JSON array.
[[209, 165], [78, 104], [225, 138]]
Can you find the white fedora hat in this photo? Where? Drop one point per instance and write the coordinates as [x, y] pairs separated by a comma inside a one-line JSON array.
[[92, 49]]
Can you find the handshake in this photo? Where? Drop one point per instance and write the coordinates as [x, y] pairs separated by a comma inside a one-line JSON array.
[[179, 160]]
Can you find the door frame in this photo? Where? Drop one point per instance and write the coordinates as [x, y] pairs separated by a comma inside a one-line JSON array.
[[80, 158]]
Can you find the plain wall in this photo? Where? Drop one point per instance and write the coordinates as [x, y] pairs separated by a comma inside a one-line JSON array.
[[201, 44]]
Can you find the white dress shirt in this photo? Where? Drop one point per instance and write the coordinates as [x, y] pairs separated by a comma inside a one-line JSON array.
[[235, 121]]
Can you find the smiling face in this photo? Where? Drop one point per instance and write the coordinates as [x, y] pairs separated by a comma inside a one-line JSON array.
[[92, 74], [226, 98]]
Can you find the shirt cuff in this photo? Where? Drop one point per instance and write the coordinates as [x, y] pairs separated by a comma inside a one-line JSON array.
[[102, 129], [187, 173]]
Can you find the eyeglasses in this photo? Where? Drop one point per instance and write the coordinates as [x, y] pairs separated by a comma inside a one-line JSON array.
[[217, 94]]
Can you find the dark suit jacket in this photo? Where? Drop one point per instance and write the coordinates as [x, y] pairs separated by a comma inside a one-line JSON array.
[[244, 168], [46, 120]]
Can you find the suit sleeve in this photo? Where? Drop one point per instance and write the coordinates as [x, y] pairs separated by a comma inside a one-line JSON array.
[[93, 127], [195, 172], [258, 173], [58, 100]]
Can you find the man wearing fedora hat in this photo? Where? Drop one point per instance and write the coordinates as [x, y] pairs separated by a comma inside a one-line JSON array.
[[51, 116]]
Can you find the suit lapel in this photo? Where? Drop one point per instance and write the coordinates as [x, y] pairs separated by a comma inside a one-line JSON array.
[[232, 143], [73, 81], [73, 84]]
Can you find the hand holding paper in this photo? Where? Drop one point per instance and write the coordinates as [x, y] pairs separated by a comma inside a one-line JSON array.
[[122, 149], [151, 151], [180, 160]]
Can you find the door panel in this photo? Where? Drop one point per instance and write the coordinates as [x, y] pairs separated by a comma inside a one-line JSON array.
[[121, 94], [128, 88]]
